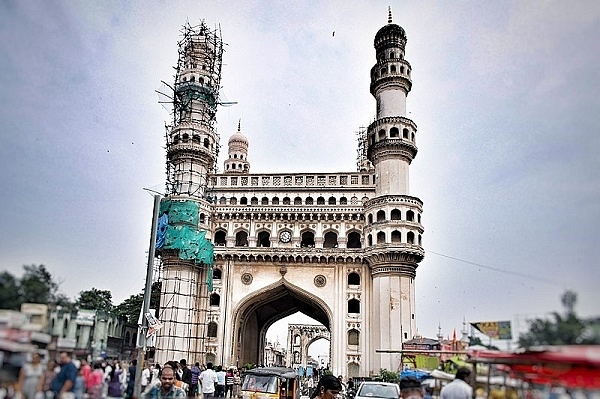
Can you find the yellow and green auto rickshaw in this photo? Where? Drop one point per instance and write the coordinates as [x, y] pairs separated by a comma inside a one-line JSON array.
[[270, 383]]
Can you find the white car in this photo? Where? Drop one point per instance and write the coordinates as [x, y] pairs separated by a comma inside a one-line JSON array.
[[377, 389]]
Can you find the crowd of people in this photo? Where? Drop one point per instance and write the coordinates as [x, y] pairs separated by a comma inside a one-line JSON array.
[[78, 379], [103, 379]]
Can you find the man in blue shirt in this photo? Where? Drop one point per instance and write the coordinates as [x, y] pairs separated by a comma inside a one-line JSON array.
[[166, 388], [64, 381]]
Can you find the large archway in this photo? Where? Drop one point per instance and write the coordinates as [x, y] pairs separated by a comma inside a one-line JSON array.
[[257, 312]]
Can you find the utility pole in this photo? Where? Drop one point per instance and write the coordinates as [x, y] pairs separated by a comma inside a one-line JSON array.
[[146, 305]]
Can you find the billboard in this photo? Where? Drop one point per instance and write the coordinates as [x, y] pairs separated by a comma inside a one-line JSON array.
[[494, 329]]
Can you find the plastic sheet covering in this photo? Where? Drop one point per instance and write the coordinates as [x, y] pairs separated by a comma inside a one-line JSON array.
[[178, 229]]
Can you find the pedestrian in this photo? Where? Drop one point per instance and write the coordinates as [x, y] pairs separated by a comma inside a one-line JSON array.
[[30, 379], [410, 388], [145, 377], [327, 388], [47, 378], [115, 382], [220, 391], [195, 370], [459, 388], [95, 382], [237, 382], [166, 389], [208, 381], [186, 376], [131, 379], [64, 383], [80, 387], [229, 383]]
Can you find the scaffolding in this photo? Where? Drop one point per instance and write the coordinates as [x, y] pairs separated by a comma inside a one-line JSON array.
[[362, 162], [192, 142]]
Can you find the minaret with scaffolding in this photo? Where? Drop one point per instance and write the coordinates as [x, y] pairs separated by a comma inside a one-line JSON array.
[[192, 150]]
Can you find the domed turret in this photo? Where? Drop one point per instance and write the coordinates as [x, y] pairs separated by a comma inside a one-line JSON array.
[[237, 161]]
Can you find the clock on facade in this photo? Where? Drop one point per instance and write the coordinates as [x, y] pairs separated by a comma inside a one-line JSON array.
[[285, 236]]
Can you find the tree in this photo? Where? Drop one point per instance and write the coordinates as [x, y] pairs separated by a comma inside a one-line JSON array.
[[557, 330], [132, 306], [9, 291], [37, 285], [477, 341], [95, 299]]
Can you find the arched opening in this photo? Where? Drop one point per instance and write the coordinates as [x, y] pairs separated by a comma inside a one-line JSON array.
[[410, 237], [370, 218], [353, 240], [369, 240], [215, 299], [381, 134], [353, 337], [381, 237], [410, 216], [309, 200], [212, 330], [254, 201], [396, 236], [263, 239], [396, 214], [258, 314], [220, 238], [286, 201], [320, 201], [297, 201], [331, 201], [275, 201], [264, 201], [381, 216], [243, 201], [353, 278], [308, 239], [241, 239], [331, 240], [217, 273], [343, 201], [353, 306], [405, 133]]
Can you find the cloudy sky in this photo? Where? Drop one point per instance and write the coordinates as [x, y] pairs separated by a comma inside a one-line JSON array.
[[505, 96]]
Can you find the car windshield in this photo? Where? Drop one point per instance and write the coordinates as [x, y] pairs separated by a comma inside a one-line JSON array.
[[260, 383], [378, 391]]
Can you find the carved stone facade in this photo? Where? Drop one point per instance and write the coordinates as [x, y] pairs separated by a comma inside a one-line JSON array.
[[342, 248]]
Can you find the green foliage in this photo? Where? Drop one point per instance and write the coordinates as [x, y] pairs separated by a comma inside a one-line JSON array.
[[37, 285], [558, 330], [95, 299], [249, 366], [132, 306], [388, 376], [9, 291]]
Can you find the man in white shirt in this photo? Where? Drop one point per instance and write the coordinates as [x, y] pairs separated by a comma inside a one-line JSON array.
[[459, 388], [208, 380], [146, 377]]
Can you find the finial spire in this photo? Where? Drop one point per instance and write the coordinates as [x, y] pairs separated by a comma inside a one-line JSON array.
[[240, 125], [389, 14]]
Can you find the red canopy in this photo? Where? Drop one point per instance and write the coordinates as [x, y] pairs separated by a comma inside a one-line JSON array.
[[569, 366]]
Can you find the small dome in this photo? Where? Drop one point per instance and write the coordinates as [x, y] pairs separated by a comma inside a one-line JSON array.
[[389, 31], [238, 136]]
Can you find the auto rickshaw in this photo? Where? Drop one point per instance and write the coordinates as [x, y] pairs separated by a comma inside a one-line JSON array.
[[270, 383]]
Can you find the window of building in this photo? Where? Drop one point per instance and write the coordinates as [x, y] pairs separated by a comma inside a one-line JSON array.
[[264, 201], [212, 330], [353, 278], [381, 216], [331, 240], [264, 239], [297, 201], [217, 273], [410, 237], [396, 236], [396, 214], [343, 201], [287, 201], [309, 200], [354, 240], [308, 239], [410, 216], [241, 239], [353, 306], [220, 237], [243, 200], [215, 299], [320, 201], [381, 237], [275, 201], [353, 337]]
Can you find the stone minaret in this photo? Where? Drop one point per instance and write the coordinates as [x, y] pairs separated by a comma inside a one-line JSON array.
[[192, 145], [393, 229], [237, 160]]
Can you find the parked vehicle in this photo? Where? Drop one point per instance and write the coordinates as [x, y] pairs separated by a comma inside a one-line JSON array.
[[270, 383], [377, 389]]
